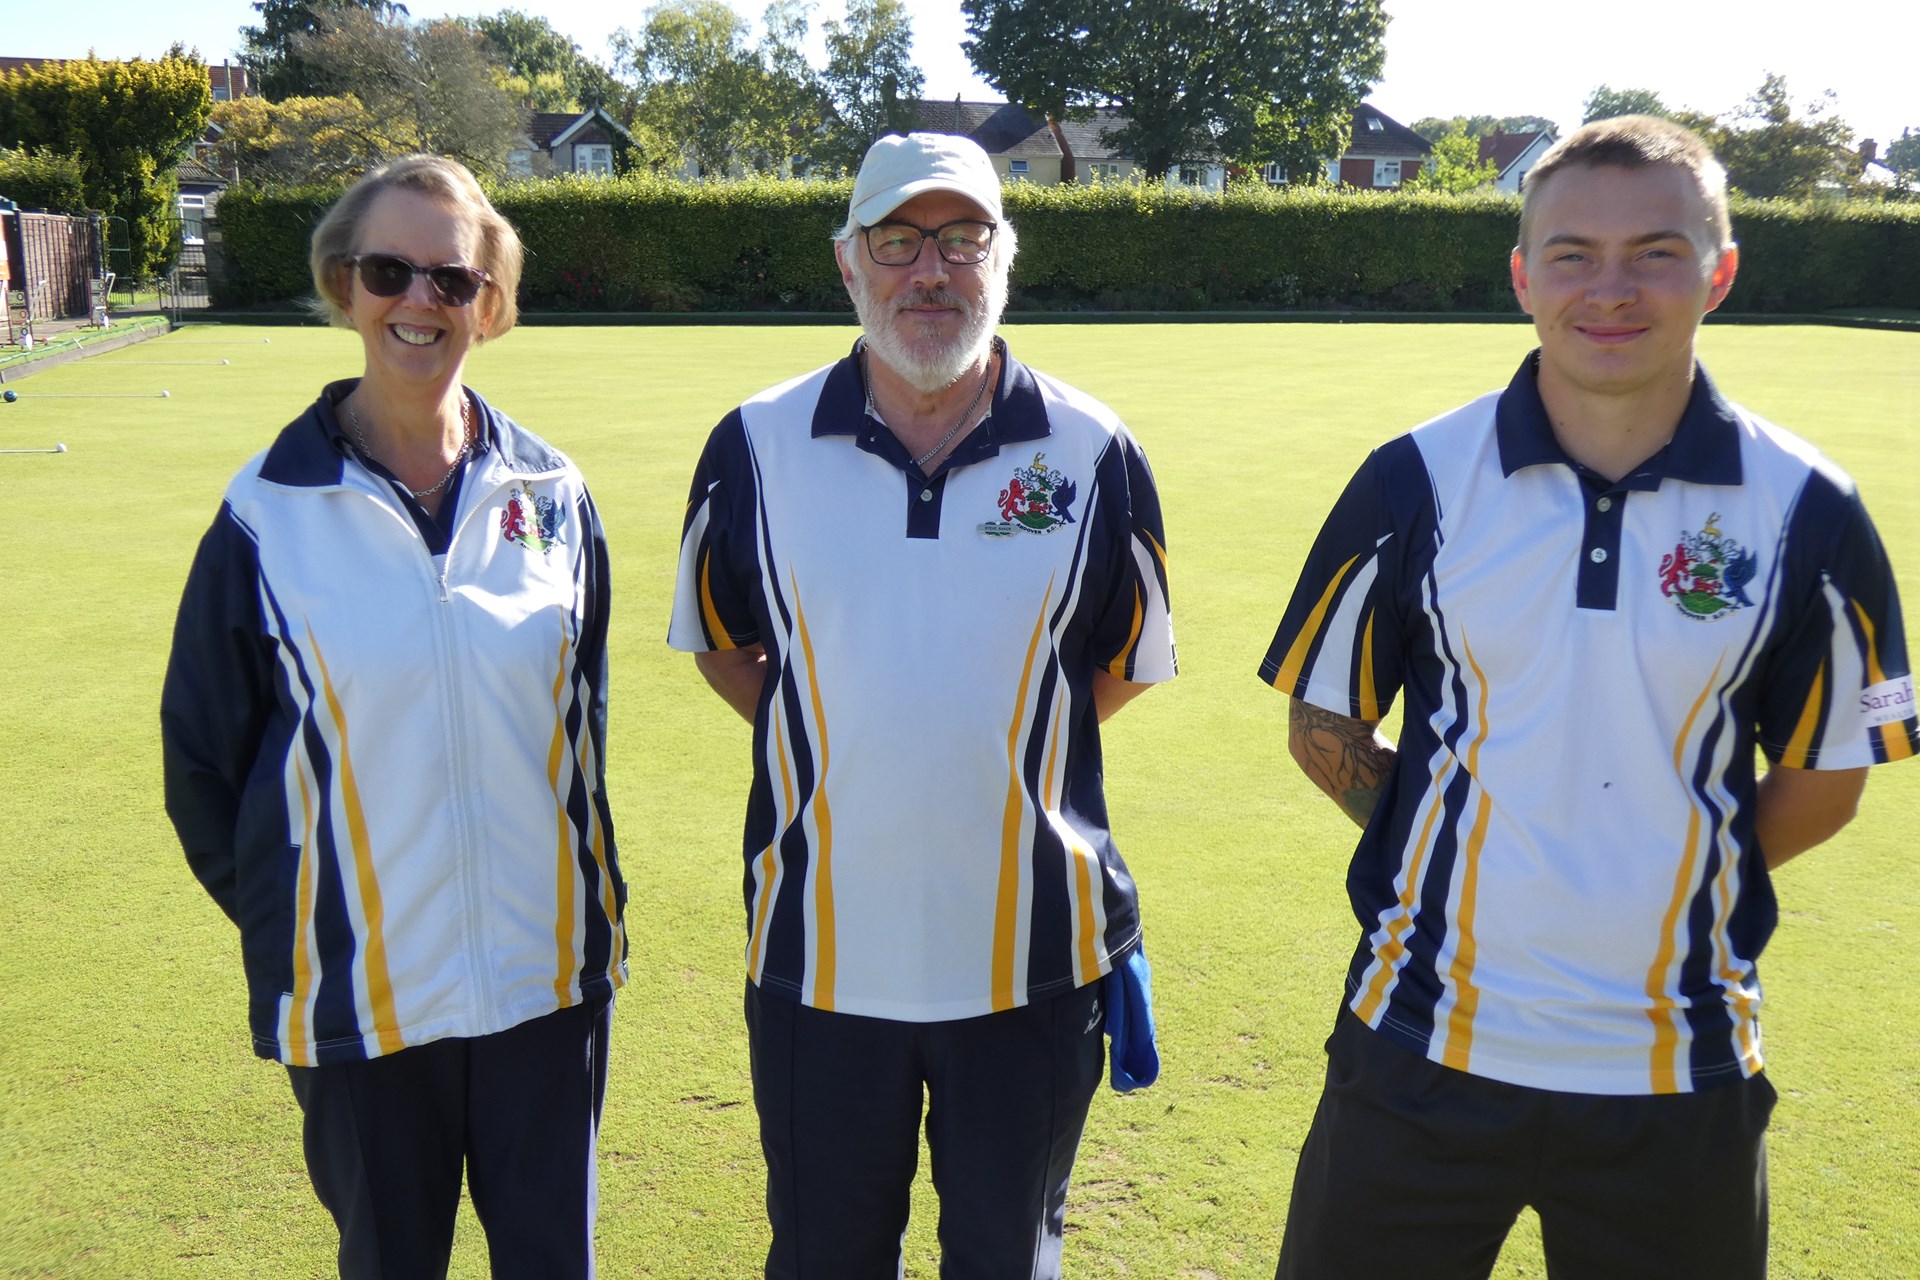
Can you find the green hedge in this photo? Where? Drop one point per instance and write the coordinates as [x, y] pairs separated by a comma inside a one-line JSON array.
[[645, 243], [43, 180]]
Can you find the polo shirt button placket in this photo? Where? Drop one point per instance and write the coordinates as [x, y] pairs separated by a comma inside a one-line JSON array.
[[1604, 505], [1599, 554], [926, 495]]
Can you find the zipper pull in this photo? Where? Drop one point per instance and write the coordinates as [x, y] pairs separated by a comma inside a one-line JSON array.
[[444, 595]]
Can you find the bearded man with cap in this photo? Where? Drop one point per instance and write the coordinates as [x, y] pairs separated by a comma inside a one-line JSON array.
[[924, 574]]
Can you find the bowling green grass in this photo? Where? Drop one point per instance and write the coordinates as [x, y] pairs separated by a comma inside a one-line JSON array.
[[140, 1138]]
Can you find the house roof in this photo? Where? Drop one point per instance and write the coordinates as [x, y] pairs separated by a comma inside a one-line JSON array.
[[197, 173], [1504, 149], [584, 121], [1003, 129], [1378, 135], [545, 126]]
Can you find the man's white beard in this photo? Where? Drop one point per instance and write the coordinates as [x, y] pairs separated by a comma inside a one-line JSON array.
[[926, 363]]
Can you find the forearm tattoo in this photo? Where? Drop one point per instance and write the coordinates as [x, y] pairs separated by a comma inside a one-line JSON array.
[[1345, 757]]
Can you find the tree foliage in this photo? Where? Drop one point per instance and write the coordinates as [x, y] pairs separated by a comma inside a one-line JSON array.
[[299, 140], [1455, 166], [1434, 128], [870, 77], [431, 86], [1606, 102], [1253, 81], [43, 180], [1903, 155], [557, 75], [269, 50], [1770, 151], [129, 123], [709, 101]]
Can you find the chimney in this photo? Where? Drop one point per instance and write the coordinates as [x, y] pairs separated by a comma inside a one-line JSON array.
[[1869, 152]]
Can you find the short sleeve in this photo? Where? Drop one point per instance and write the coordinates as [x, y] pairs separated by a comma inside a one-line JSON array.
[[712, 595], [1839, 690], [1339, 645], [1133, 638]]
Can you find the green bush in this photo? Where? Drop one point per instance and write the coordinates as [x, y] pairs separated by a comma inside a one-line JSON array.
[[43, 180], [646, 243]]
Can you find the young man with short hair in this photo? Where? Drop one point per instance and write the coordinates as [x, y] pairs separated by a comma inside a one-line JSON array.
[[1598, 590]]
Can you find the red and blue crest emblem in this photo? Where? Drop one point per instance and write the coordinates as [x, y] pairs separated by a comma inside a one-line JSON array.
[[1038, 499], [1706, 574], [531, 520]]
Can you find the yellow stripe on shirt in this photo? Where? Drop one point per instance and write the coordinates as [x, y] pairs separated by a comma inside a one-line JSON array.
[[300, 1051], [1893, 735], [1663, 1006], [769, 857], [379, 982], [1006, 910], [1466, 996], [823, 938], [1289, 674], [564, 895]]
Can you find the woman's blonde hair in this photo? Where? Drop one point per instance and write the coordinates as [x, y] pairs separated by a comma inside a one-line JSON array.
[[438, 178]]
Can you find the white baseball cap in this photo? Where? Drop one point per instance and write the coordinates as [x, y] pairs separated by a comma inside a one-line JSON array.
[[899, 168]]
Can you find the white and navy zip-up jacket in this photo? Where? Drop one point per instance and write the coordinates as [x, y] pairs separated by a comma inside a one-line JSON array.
[[385, 764], [1561, 887]]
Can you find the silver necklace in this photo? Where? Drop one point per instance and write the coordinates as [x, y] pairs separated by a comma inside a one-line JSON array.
[[952, 431], [466, 443]]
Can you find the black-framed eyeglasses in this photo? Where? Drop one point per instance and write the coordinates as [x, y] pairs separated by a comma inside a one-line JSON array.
[[963, 243], [386, 275]]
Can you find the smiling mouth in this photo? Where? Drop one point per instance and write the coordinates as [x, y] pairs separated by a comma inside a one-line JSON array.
[[415, 337]]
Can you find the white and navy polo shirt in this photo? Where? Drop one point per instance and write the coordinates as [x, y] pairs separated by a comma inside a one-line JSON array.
[[1561, 887], [926, 835]]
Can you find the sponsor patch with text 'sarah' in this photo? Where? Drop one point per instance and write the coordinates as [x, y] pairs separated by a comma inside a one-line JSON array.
[[533, 521], [1706, 574], [1038, 499]]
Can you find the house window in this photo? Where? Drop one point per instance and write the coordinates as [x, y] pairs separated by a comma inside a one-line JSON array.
[[1386, 173], [1374, 125], [519, 164], [594, 157], [1333, 171], [1274, 173], [1101, 171], [1017, 170], [1192, 175]]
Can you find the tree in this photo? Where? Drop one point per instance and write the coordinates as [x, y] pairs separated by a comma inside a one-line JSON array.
[[129, 123], [432, 86], [299, 139], [871, 78], [43, 180], [1433, 128], [268, 49], [1254, 81], [708, 99], [1455, 167], [1606, 102], [1770, 151], [559, 77], [1903, 156]]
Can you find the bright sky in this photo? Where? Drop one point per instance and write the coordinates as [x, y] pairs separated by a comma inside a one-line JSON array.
[[1444, 57]]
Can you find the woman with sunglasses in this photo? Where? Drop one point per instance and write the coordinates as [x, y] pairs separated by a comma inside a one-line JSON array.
[[383, 723]]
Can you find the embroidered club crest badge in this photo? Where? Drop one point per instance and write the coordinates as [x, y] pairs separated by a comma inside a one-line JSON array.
[[531, 520], [1038, 499], [1706, 574]]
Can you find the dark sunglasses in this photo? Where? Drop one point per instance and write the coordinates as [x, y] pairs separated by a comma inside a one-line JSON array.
[[385, 276]]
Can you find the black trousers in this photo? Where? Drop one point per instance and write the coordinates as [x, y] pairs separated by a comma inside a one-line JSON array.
[[1416, 1169], [839, 1098], [519, 1111]]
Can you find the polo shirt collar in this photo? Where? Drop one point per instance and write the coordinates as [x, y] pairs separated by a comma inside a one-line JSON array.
[[1705, 448], [1018, 410]]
